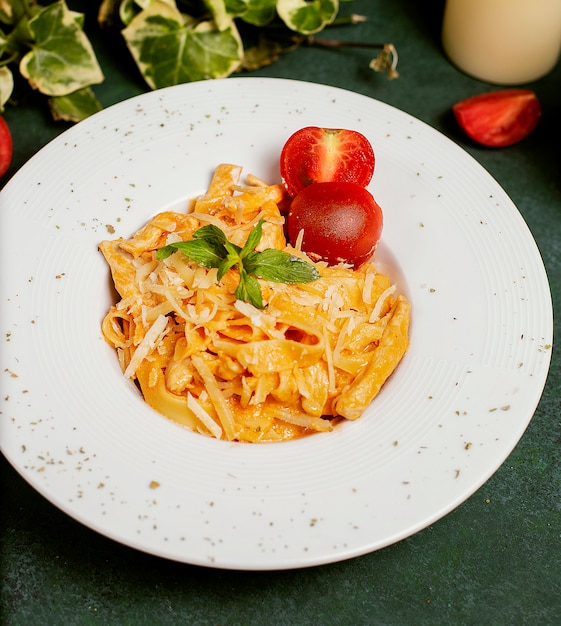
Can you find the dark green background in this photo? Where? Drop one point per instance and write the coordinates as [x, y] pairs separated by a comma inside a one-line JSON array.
[[494, 560]]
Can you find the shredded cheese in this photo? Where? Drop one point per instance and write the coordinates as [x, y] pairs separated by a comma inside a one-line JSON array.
[[376, 311], [151, 338], [230, 370], [205, 418]]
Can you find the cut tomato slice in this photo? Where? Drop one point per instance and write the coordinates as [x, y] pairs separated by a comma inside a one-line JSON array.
[[499, 118], [320, 155]]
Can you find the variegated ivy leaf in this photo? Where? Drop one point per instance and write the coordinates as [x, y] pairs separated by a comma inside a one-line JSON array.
[[307, 16], [256, 12], [6, 86], [61, 59], [76, 106], [169, 50], [128, 9], [262, 54], [12, 10], [220, 15]]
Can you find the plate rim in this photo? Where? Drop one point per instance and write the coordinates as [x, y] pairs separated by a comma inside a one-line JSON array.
[[227, 84]]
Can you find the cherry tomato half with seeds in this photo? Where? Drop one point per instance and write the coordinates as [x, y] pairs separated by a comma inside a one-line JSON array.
[[319, 155], [342, 222]]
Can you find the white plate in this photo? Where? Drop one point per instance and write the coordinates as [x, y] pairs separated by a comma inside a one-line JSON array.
[[455, 408]]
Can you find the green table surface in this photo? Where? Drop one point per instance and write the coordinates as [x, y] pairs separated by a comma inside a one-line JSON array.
[[496, 559]]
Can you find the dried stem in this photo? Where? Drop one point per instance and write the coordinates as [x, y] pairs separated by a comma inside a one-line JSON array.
[[385, 61]]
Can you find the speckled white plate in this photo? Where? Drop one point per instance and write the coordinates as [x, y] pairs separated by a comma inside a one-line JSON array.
[[457, 405]]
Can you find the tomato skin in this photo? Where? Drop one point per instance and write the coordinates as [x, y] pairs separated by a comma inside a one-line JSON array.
[[316, 155], [5, 147], [342, 222], [499, 118]]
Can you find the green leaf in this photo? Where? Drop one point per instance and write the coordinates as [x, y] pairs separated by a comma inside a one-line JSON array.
[[256, 12], [11, 11], [263, 53], [307, 16], [210, 248], [281, 267], [227, 264], [249, 290], [20, 38], [169, 50], [6, 86], [76, 106], [211, 233], [253, 239], [203, 252], [62, 59], [221, 16]]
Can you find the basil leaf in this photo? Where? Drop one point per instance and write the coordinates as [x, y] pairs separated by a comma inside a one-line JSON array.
[[253, 239], [210, 233], [249, 290], [210, 248], [280, 267], [227, 264], [203, 252], [233, 250], [251, 261]]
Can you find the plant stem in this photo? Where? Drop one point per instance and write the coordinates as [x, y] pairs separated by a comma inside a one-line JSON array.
[[385, 61]]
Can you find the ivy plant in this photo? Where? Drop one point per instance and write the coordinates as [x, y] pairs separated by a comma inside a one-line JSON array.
[[170, 41]]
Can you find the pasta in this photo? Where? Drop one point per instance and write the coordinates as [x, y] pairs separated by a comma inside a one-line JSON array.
[[317, 353]]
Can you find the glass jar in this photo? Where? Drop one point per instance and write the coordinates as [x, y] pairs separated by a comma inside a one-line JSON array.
[[505, 42]]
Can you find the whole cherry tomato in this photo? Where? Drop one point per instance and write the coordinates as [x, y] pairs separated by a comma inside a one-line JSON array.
[[5, 147], [319, 155], [341, 222]]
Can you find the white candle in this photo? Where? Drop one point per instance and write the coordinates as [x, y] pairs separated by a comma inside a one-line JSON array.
[[506, 42]]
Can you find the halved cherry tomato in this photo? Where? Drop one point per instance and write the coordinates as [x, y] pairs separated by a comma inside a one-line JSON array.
[[342, 222], [318, 155], [5, 147], [499, 118]]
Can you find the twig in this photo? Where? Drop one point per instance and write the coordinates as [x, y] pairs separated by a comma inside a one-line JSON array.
[[385, 61]]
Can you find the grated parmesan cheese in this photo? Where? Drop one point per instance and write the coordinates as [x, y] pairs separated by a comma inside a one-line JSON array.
[[375, 315], [216, 397], [150, 339], [368, 284], [227, 368], [204, 416]]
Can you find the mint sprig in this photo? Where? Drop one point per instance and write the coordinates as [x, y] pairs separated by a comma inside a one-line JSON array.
[[210, 248]]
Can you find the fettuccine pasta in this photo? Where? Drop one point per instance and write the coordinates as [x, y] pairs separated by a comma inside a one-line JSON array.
[[318, 352]]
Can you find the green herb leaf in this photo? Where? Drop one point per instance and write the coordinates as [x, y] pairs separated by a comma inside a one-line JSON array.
[[227, 264], [253, 239], [210, 248], [211, 233], [203, 252], [249, 290], [280, 267]]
